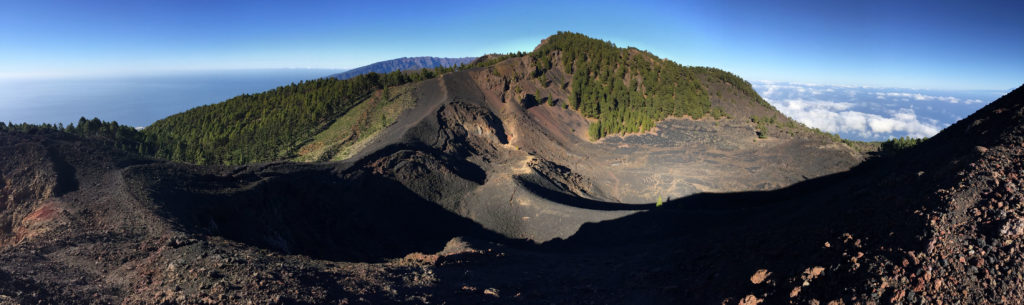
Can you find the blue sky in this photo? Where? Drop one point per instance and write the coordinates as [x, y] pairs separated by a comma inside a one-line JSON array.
[[926, 44]]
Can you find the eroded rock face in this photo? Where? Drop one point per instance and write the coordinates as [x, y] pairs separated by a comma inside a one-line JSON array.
[[434, 176], [467, 129], [29, 178], [563, 178]]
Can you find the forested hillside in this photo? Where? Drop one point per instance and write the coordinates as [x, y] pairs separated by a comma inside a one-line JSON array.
[[626, 89], [266, 126]]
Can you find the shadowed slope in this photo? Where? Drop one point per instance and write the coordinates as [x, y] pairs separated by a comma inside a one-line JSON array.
[[309, 210]]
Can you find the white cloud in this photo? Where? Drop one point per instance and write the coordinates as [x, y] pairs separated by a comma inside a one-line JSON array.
[[836, 117], [768, 89], [868, 113], [904, 96]]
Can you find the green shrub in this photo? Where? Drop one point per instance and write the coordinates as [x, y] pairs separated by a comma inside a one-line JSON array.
[[901, 143]]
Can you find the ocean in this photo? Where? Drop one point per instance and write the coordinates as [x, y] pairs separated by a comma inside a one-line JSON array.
[[134, 100]]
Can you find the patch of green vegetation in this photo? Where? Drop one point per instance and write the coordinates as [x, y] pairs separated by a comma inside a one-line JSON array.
[[763, 120], [659, 202], [594, 130], [490, 60], [718, 113], [762, 124], [901, 144], [859, 146], [834, 137], [863, 147], [353, 129]]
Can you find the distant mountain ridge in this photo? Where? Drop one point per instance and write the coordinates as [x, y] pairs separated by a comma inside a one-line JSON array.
[[405, 63]]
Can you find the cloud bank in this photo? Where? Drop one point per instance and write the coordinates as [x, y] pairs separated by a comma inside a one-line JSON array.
[[836, 117], [872, 113], [904, 96]]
